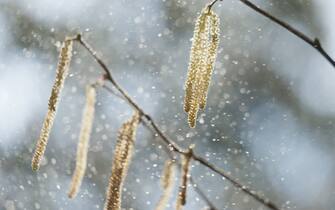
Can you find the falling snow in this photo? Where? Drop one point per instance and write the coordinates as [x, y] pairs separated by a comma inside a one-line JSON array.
[[269, 120]]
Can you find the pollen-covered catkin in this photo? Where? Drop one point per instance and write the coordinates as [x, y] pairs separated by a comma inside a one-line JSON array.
[[194, 60], [212, 51], [167, 183], [84, 136], [202, 58], [62, 71], [181, 199], [200, 69], [122, 156]]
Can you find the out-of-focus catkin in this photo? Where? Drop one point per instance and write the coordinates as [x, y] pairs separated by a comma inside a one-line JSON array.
[[62, 71], [202, 58], [167, 183], [84, 136], [181, 199], [122, 156]]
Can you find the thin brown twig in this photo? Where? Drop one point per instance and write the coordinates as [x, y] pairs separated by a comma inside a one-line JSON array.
[[238, 185], [170, 143], [110, 90], [210, 5], [172, 157], [315, 43]]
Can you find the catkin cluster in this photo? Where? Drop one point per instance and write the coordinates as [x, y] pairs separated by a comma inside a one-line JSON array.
[[181, 199], [62, 72], [122, 156], [167, 183], [84, 136], [202, 58]]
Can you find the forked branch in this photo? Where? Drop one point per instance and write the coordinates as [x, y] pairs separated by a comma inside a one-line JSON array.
[[147, 120], [172, 145]]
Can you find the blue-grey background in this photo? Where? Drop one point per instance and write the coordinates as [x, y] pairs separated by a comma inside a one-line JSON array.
[[269, 121]]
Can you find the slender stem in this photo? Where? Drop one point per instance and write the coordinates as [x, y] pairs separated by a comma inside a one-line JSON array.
[[212, 4], [110, 90], [171, 156], [169, 142], [314, 42], [238, 185]]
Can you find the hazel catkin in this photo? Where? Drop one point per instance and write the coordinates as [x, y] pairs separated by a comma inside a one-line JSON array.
[[186, 160], [84, 137], [167, 183], [61, 73], [122, 156], [202, 58]]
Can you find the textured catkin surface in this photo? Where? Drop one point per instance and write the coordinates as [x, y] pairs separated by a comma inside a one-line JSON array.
[[167, 183], [61, 74], [83, 143], [181, 199], [122, 156], [211, 56], [202, 58]]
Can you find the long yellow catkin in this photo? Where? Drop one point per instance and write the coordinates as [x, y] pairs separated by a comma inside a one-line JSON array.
[[202, 58], [62, 71], [167, 183], [181, 199], [84, 137], [122, 156], [200, 68], [212, 51], [194, 60]]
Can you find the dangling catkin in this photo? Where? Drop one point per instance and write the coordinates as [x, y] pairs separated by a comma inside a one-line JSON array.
[[202, 58], [167, 183], [122, 156], [62, 71], [84, 137], [212, 51], [199, 69], [194, 60], [181, 199]]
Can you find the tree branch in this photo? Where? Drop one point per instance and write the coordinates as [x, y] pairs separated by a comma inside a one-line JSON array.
[[314, 42], [170, 143], [173, 147]]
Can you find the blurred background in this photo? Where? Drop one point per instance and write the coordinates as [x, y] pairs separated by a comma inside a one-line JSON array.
[[269, 121]]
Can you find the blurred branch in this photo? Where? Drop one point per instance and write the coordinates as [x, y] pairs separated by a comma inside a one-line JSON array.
[[172, 145], [315, 43], [202, 194]]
